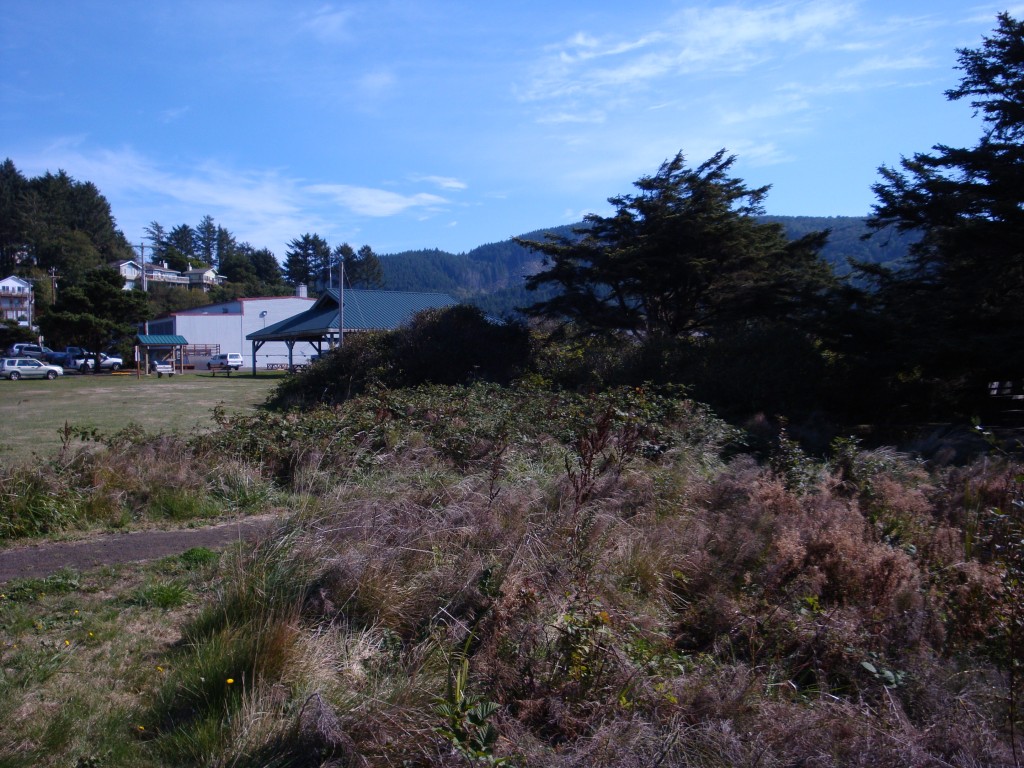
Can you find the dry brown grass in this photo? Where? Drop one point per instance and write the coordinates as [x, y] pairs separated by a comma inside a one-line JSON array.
[[617, 608]]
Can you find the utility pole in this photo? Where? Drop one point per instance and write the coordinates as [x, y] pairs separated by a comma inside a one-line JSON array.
[[341, 302], [145, 286], [142, 263]]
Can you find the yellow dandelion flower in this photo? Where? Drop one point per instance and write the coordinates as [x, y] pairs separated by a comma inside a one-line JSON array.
[[67, 642], [142, 727], [231, 681]]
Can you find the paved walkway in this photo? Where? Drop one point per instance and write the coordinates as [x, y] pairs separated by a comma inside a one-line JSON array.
[[47, 558]]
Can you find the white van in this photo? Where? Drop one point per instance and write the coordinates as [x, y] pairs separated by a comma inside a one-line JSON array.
[[228, 361]]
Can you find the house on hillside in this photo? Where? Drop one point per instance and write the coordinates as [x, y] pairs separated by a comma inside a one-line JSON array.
[[17, 300], [324, 325], [202, 278]]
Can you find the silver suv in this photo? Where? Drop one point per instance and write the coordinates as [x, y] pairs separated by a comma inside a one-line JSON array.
[[30, 350], [228, 361], [28, 368]]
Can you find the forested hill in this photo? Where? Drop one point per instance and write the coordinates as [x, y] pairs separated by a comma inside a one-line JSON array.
[[492, 275]]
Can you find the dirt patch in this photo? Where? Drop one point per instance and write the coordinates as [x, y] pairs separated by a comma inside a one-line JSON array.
[[42, 560]]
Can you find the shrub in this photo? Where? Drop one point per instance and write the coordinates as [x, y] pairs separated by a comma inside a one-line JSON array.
[[457, 345]]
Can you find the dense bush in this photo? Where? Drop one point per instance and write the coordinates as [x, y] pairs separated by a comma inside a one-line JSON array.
[[540, 577], [456, 345], [550, 578]]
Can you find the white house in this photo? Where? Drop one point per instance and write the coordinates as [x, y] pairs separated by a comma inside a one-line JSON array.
[[17, 300], [200, 277], [223, 328], [203, 277]]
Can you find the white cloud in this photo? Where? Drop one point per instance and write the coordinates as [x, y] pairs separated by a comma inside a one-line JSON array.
[[173, 114], [267, 208], [327, 24], [442, 182], [877, 64], [376, 84], [729, 38], [777, 105], [593, 117], [368, 201]]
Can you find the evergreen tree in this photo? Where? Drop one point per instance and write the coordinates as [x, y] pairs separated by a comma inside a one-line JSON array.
[[96, 312], [157, 237], [343, 254], [68, 227], [364, 269], [684, 259], [954, 313], [265, 266], [180, 251], [206, 241], [13, 186], [226, 246], [307, 257]]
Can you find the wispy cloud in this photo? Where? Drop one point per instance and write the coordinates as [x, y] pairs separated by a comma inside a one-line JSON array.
[[368, 201], [731, 38], [878, 64], [376, 84], [265, 207], [592, 117], [779, 105], [173, 114], [327, 24], [441, 182]]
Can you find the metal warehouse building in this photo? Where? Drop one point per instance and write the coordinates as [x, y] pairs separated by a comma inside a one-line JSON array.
[[286, 331], [223, 328], [337, 313]]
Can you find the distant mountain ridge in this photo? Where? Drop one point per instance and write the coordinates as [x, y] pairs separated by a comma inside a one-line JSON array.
[[492, 276]]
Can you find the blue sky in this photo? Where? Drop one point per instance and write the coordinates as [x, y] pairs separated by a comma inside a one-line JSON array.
[[402, 125]]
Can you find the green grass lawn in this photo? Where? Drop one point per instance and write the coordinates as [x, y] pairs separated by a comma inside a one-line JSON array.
[[34, 412]]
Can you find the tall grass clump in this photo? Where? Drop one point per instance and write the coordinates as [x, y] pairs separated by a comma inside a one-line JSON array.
[[35, 503]]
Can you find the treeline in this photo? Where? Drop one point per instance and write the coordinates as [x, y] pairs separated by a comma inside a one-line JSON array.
[[493, 276], [53, 228], [311, 261], [688, 283], [249, 271], [60, 234]]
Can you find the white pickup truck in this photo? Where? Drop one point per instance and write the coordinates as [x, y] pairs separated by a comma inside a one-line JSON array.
[[160, 367]]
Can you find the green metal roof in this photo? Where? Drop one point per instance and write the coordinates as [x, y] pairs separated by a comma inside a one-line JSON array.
[[364, 311], [160, 340]]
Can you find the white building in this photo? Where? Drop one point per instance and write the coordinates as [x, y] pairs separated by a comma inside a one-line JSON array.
[[202, 278], [223, 328], [17, 300]]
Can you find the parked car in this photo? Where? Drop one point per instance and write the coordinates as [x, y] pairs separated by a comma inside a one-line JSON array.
[[30, 350], [28, 368], [75, 358], [160, 367], [228, 361], [110, 362]]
